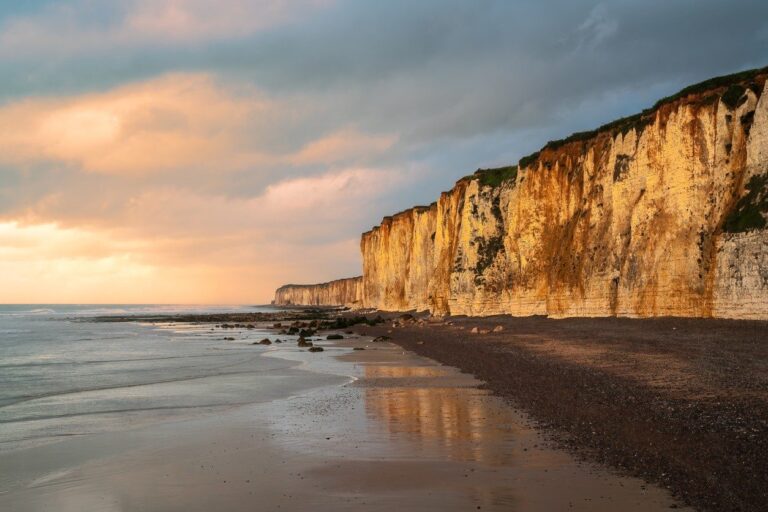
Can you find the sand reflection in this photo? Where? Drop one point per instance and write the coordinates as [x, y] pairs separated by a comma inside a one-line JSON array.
[[442, 409]]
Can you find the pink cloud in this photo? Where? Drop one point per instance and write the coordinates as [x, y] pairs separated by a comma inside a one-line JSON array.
[[178, 121], [64, 29], [142, 213], [173, 245]]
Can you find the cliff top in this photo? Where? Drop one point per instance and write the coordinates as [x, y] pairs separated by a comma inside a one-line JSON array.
[[729, 89]]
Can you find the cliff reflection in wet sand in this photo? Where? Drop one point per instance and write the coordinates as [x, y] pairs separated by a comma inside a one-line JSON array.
[[441, 409]]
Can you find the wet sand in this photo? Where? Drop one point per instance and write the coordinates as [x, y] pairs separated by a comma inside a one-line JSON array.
[[365, 430], [681, 402]]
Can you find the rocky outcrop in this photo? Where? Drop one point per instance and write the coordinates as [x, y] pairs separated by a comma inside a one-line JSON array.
[[342, 292], [662, 213]]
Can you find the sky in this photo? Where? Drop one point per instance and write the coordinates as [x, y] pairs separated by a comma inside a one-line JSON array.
[[208, 151]]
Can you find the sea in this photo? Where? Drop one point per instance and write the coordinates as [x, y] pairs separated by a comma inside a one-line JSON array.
[[63, 374]]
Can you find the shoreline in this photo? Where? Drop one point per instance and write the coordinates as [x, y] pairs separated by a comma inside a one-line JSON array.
[[679, 402], [407, 433]]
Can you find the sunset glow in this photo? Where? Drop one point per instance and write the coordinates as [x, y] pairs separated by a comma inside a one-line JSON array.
[[209, 151]]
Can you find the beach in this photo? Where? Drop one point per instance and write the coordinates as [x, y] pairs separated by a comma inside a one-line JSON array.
[[341, 429], [680, 402]]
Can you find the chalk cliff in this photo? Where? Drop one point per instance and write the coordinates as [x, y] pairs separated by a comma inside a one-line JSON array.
[[662, 213], [342, 292]]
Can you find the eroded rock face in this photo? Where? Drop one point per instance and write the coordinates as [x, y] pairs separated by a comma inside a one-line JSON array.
[[661, 214], [342, 292]]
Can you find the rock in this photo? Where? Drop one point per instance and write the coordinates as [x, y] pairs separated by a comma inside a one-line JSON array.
[[277, 325], [250, 326], [474, 330], [315, 349], [484, 331], [293, 330], [379, 339], [306, 333], [334, 337], [304, 343], [265, 341], [278, 340], [228, 339], [424, 254], [359, 348], [498, 328], [419, 342]]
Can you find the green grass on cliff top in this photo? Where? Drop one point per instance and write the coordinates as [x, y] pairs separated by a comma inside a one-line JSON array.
[[494, 177], [641, 119]]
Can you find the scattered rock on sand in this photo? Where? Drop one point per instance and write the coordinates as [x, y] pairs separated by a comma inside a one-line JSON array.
[[334, 337], [315, 349]]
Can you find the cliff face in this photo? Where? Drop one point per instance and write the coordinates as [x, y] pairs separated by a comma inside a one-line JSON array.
[[663, 213], [342, 292]]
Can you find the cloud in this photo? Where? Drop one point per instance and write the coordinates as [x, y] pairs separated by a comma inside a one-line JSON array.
[[183, 177], [185, 20], [248, 143], [85, 26], [177, 122], [183, 247]]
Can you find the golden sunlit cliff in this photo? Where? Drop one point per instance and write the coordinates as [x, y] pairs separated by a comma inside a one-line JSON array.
[[662, 213]]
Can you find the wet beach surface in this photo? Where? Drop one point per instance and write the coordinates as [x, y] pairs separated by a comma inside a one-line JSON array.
[[342, 429], [680, 402]]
